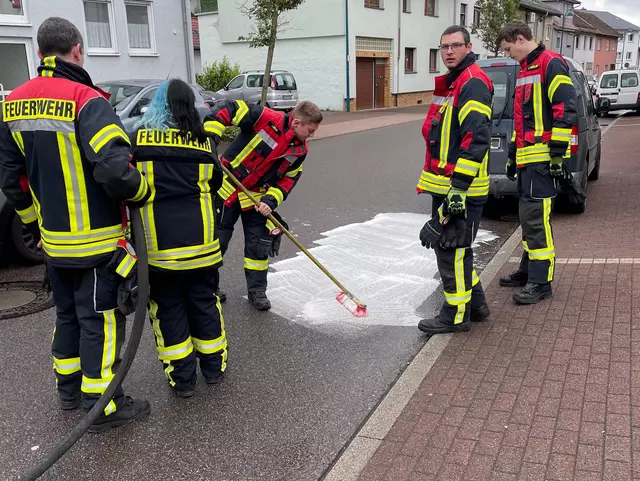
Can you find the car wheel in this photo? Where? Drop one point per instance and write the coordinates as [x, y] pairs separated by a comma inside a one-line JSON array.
[[24, 243], [595, 173]]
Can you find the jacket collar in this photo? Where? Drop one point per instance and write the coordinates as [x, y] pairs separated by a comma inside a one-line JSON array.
[[56, 67], [533, 55], [453, 75]]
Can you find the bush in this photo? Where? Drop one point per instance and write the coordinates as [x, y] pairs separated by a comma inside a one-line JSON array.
[[230, 134], [216, 76]]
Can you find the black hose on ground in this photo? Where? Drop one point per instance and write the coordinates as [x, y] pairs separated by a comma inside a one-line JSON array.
[[127, 358]]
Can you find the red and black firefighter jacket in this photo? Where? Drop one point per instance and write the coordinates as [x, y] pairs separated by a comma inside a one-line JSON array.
[[266, 156], [65, 163], [183, 176], [545, 109], [457, 131]]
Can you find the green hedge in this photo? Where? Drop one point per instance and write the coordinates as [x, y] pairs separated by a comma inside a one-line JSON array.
[[230, 134]]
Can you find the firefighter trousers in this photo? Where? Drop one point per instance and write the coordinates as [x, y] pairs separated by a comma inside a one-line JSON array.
[[88, 335], [187, 322], [256, 253], [537, 189], [463, 291]]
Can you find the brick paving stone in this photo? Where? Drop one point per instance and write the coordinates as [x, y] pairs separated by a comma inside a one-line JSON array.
[[565, 442]]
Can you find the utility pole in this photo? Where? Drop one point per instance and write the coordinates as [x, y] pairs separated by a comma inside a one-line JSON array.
[[564, 14]]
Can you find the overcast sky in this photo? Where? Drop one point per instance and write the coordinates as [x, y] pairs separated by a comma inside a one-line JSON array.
[[626, 9]]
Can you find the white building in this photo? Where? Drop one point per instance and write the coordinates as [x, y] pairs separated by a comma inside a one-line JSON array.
[[628, 55], [123, 39], [468, 16], [391, 48]]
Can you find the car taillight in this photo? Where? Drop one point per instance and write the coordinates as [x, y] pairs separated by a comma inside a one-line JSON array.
[[638, 99], [574, 141]]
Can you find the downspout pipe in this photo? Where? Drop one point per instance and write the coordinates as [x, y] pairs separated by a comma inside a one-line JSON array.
[[399, 60], [347, 57], [188, 46]]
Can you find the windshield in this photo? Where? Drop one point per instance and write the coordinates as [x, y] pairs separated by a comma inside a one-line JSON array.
[[609, 81], [501, 91], [121, 95]]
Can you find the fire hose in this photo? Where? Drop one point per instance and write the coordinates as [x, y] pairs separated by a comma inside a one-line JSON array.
[[127, 359]]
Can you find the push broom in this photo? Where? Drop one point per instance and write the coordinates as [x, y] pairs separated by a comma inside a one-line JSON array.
[[344, 297]]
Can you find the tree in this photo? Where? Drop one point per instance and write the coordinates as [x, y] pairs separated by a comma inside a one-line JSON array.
[[494, 14], [266, 15], [217, 75]]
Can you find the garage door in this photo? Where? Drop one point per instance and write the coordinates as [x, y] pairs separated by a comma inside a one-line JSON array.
[[364, 83]]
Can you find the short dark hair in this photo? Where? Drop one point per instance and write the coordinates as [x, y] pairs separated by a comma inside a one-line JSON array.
[[458, 29], [511, 30], [308, 113], [58, 36]]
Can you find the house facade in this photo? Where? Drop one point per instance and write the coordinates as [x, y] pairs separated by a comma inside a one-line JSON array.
[[539, 17], [385, 51], [468, 16], [123, 39], [606, 39], [628, 48]]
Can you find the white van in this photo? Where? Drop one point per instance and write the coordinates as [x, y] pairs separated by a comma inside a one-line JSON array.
[[621, 88]]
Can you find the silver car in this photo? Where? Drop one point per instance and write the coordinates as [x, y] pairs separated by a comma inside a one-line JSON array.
[[281, 95]]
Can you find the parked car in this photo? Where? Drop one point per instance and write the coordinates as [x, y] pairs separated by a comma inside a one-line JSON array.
[[585, 139], [130, 97], [282, 93], [210, 98], [16, 242], [592, 80], [621, 88]]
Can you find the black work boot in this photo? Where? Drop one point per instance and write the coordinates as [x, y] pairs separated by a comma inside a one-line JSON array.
[[221, 295], [131, 410], [481, 313], [515, 279], [438, 326], [214, 379], [532, 293], [69, 404], [184, 393], [259, 300]]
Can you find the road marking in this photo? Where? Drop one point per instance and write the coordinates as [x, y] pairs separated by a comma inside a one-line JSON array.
[[590, 260], [610, 125], [381, 261]]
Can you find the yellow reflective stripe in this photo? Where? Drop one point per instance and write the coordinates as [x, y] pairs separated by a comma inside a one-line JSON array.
[[109, 345], [28, 215], [143, 188], [105, 135], [463, 296], [439, 184], [513, 136], [457, 298], [17, 136], [66, 366], [270, 225], [256, 264], [537, 110], [155, 322], [214, 127], [179, 264], [94, 235], [205, 174], [95, 386], [177, 253], [525, 246], [546, 220], [295, 172], [276, 194], [76, 251], [473, 106], [444, 139], [534, 160], [243, 109], [467, 167], [175, 352], [49, 62], [541, 254], [226, 189], [245, 202], [75, 188], [474, 278], [148, 215], [556, 82], [562, 135], [126, 265], [533, 149], [246, 151], [212, 346]]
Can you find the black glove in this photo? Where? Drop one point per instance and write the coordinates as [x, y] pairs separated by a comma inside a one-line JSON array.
[[276, 234], [511, 169], [454, 232], [46, 282], [430, 233]]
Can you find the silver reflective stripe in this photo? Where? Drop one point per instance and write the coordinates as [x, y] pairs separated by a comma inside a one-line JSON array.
[[208, 207], [46, 125], [267, 139], [207, 249], [438, 100], [75, 184], [109, 343], [95, 250], [533, 79], [210, 346], [63, 236]]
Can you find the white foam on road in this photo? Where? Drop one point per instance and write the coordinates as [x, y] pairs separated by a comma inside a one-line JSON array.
[[381, 261]]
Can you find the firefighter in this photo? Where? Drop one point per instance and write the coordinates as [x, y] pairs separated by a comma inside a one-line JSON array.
[[64, 165], [544, 116], [267, 158], [179, 160], [457, 131]]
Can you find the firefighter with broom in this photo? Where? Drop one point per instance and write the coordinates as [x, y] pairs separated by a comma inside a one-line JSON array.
[[266, 158], [458, 135]]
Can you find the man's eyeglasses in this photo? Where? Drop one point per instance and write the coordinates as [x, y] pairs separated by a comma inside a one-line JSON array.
[[452, 46]]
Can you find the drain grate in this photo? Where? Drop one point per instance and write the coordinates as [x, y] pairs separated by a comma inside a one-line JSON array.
[[22, 298]]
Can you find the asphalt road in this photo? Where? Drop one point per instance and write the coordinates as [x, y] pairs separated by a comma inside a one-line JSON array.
[[293, 395]]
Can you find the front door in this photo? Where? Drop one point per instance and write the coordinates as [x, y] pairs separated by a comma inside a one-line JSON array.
[[380, 82], [364, 83], [628, 88], [15, 53]]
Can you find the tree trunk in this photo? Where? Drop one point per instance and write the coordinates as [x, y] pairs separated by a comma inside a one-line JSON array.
[[266, 81]]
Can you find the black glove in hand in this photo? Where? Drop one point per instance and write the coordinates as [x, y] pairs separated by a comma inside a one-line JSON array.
[[511, 169], [430, 233], [454, 232]]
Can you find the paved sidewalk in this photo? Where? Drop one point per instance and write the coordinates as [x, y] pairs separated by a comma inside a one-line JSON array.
[[544, 392]]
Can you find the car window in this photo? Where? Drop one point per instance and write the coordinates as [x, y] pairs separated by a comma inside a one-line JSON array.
[[629, 80], [121, 95], [501, 85], [144, 101], [609, 81], [285, 81], [254, 81], [237, 82], [581, 83]]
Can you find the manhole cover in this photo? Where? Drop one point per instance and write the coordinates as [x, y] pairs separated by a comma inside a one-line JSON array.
[[21, 298]]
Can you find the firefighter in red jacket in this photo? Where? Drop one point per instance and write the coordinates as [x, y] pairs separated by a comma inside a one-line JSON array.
[[458, 135], [544, 116], [64, 165], [267, 158]]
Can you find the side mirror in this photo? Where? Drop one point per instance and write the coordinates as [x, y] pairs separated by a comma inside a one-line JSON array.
[[226, 87]]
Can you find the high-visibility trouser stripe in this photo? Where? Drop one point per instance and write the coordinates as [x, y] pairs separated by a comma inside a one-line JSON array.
[[537, 110], [457, 298], [126, 265], [105, 135], [17, 136], [467, 167], [143, 188], [66, 367], [214, 127], [98, 386], [562, 135], [179, 253], [295, 172], [175, 352], [179, 265], [556, 82], [444, 139], [226, 189], [28, 215], [206, 202], [548, 234], [461, 297], [474, 106], [76, 251], [148, 215], [474, 278], [75, 188], [255, 264], [541, 254], [253, 143], [276, 194], [94, 235], [243, 109], [155, 324], [109, 346], [212, 346]]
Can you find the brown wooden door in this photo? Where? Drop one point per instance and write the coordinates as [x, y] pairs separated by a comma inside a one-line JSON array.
[[379, 86], [364, 83]]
